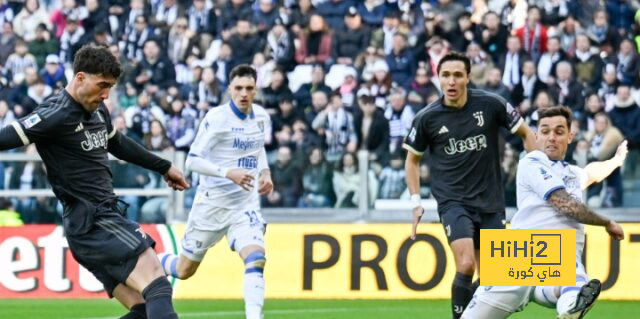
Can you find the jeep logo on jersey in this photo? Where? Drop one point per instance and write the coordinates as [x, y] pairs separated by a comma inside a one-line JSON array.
[[94, 140], [474, 143]]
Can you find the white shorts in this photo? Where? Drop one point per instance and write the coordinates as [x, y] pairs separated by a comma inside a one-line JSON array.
[[207, 225], [515, 298]]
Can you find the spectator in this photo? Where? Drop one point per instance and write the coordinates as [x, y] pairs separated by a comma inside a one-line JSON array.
[[265, 17], [232, 12], [604, 140], [424, 85], [136, 37], [601, 35], [588, 64], [245, 43], [165, 14], [402, 64], [627, 63], [69, 10], [411, 14], [154, 210], [334, 11], [481, 63], [202, 25], [465, 28], [155, 72], [181, 125], [380, 85], [316, 181], [28, 19], [139, 117], [224, 64], [276, 91], [315, 43], [511, 62], [372, 12], [8, 216], [28, 176], [494, 84], [279, 46], [286, 181], [430, 30], [43, 45], [350, 40], [7, 42], [346, 182], [382, 38], [533, 35], [319, 102], [400, 117], [181, 41], [36, 94], [392, 181], [549, 60], [529, 85], [425, 184], [97, 14], [492, 36], [299, 16], [567, 34], [626, 116], [70, 39], [372, 130], [303, 94], [287, 114], [6, 114], [567, 91], [336, 125], [18, 62], [207, 93], [53, 73], [6, 12], [129, 19]]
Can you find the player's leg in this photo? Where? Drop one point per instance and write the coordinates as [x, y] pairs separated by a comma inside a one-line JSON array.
[[459, 228], [131, 300], [476, 283], [205, 227], [576, 301], [496, 302], [247, 237], [487, 221]]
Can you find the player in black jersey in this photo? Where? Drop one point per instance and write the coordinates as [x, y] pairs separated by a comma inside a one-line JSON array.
[[460, 132], [73, 133]]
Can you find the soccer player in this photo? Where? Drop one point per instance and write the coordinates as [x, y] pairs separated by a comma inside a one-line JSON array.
[[460, 131], [73, 134], [229, 153], [549, 197]]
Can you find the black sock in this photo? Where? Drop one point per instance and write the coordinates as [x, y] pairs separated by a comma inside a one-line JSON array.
[[475, 286], [138, 311], [461, 294], [157, 296]]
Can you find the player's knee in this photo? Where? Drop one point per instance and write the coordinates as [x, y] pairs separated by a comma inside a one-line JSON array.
[[466, 266], [255, 262]]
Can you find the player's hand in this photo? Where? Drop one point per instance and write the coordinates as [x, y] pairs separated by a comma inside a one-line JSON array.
[[417, 215], [621, 153], [175, 179], [615, 230], [241, 177], [265, 184]]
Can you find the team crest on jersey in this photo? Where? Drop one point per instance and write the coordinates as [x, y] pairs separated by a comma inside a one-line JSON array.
[[32, 120], [478, 115], [412, 135]]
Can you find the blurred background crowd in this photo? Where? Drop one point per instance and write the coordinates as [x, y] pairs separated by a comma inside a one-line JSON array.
[[336, 76]]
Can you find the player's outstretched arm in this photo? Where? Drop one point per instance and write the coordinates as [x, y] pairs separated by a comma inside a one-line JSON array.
[[527, 136], [9, 138], [564, 203], [412, 169], [598, 171], [128, 150]]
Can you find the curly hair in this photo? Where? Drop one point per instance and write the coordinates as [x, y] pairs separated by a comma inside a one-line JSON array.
[[96, 59]]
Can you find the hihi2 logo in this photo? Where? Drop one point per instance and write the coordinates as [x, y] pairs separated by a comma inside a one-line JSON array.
[[527, 257]]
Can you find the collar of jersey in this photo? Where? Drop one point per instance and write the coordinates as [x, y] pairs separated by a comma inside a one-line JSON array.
[[239, 113], [564, 163]]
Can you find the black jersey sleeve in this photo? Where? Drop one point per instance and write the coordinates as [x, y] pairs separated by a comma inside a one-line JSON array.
[[418, 139], [508, 116], [41, 125]]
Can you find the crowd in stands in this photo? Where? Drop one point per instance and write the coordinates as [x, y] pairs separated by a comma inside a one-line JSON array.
[[336, 76]]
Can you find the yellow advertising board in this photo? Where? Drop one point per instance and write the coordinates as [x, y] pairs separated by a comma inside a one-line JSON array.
[[350, 261]]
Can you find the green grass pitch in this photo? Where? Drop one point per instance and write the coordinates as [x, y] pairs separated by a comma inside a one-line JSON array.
[[287, 309]]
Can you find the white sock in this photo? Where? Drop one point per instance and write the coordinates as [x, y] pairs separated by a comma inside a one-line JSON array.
[[253, 295], [169, 264], [567, 301], [546, 295]]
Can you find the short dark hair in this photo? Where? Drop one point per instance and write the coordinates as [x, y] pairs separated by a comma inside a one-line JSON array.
[[455, 56], [243, 70], [96, 59], [556, 111]]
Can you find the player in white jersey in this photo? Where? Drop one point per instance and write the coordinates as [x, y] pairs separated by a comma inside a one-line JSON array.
[[229, 153], [549, 193]]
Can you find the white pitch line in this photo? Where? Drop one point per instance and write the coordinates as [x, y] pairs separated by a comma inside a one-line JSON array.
[[210, 314]]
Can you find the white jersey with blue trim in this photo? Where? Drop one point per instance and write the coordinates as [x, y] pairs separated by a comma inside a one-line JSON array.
[[231, 139], [537, 178]]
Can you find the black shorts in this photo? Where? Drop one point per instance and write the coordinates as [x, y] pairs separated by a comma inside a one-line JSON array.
[[110, 249], [459, 223]]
